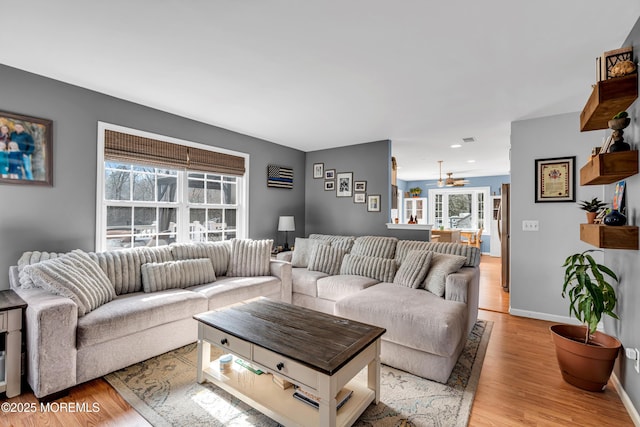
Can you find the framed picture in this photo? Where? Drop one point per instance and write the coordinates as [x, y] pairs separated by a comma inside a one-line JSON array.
[[618, 197], [359, 198], [555, 180], [329, 185], [373, 203], [318, 170], [25, 150], [360, 186], [344, 184], [330, 174]]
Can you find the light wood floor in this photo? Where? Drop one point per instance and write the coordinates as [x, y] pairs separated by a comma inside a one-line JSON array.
[[520, 383]]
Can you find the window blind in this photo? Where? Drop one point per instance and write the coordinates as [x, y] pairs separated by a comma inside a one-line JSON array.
[[129, 148]]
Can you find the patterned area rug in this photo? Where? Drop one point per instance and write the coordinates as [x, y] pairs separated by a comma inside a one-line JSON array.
[[164, 391]]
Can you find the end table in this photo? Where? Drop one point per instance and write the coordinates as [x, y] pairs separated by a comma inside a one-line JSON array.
[[11, 306]]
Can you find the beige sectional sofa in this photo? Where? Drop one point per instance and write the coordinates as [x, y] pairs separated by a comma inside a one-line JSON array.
[[424, 293], [89, 314]]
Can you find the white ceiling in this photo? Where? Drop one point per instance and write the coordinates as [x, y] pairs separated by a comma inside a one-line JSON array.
[[318, 74]]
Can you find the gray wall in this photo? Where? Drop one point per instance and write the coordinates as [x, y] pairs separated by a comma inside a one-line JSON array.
[[329, 214], [63, 217]]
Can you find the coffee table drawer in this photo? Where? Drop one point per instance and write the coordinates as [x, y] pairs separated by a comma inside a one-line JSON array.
[[226, 341], [282, 365]]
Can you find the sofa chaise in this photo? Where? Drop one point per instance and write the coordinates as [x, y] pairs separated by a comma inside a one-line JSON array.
[[90, 314], [425, 294]]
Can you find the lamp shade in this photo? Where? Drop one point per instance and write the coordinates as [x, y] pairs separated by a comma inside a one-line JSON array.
[[286, 223]]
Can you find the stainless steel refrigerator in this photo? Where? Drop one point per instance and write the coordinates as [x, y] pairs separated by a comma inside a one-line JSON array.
[[504, 231]]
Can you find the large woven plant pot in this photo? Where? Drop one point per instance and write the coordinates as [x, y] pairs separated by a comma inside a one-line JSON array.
[[587, 366]]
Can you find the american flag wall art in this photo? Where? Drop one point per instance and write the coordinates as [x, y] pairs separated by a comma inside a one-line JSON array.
[[280, 177]]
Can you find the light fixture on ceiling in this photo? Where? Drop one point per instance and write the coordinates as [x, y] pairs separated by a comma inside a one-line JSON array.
[[457, 182], [456, 145], [469, 139], [440, 181]]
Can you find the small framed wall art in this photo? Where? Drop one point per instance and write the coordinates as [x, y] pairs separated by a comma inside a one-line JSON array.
[[25, 150], [329, 185], [344, 184], [359, 198], [360, 186], [318, 170], [330, 174], [373, 203], [555, 179]]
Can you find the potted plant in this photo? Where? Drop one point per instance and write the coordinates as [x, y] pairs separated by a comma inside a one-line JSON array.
[[592, 207], [586, 356], [415, 191]]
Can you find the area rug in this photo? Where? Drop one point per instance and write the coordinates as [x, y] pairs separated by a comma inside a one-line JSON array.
[[164, 391]]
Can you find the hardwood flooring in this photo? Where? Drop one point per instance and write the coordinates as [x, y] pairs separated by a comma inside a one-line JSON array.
[[520, 383]]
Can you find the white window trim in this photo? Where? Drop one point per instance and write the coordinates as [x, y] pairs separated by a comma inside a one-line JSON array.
[[101, 214], [459, 190]]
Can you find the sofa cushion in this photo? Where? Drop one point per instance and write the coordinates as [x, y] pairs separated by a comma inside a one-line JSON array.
[[380, 269], [123, 266], [32, 257], [471, 253], [326, 259], [76, 276], [135, 312], [230, 290], [441, 266], [414, 269], [217, 252], [158, 276], [375, 246], [305, 281], [249, 258], [335, 287], [302, 251], [337, 241], [413, 318]]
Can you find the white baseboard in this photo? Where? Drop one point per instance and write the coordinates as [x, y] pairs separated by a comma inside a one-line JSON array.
[[626, 401], [544, 316]]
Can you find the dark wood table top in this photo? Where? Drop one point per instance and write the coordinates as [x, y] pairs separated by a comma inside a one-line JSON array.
[[10, 300], [320, 341]]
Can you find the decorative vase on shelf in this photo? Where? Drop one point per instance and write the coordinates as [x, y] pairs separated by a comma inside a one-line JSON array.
[[615, 218], [591, 217]]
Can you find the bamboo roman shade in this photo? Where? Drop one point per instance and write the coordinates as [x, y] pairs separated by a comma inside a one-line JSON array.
[[138, 149]]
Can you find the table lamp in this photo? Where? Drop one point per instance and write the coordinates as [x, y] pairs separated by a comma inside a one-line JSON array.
[[286, 224]]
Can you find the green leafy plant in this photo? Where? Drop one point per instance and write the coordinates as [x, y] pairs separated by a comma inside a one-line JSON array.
[[590, 294], [592, 206], [621, 115], [415, 191]]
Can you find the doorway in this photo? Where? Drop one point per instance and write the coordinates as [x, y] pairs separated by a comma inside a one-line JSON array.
[[492, 295]]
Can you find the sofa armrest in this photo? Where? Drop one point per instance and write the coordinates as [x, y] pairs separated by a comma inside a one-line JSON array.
[[282, 270], [50, 334], [464, 286], [285, 256]]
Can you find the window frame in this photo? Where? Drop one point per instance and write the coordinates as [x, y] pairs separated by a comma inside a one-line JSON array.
[[475, 191], [182, 204]]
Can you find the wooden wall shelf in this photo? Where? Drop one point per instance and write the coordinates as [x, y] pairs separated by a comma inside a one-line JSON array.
[[610, 237], [609, 167], [607, 99]]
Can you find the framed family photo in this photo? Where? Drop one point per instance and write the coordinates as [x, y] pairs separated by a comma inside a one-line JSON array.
[[25, 150], [330, 174], [345, 184], [360, 186], [555, 180]]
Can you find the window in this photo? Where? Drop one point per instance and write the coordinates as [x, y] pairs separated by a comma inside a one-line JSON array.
[[462, 208], [147, 200]]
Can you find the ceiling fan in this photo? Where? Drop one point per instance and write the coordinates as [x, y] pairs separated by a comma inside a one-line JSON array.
[[454, 182]]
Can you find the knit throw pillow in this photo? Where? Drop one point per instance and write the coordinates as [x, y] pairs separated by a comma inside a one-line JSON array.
[[250, 258], [326, 259], [76, 276], [413, 269], [381, 269], [32, 257], [441, 266], [158, 276], [303, 249]]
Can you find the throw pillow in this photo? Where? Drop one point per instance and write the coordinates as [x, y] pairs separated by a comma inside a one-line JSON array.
[[76, 276], [32, 257], [326, 259], [381, 269], [303, 249], [158, 276], [250, 258], [217, 252], [441, 266], [413, 269]]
